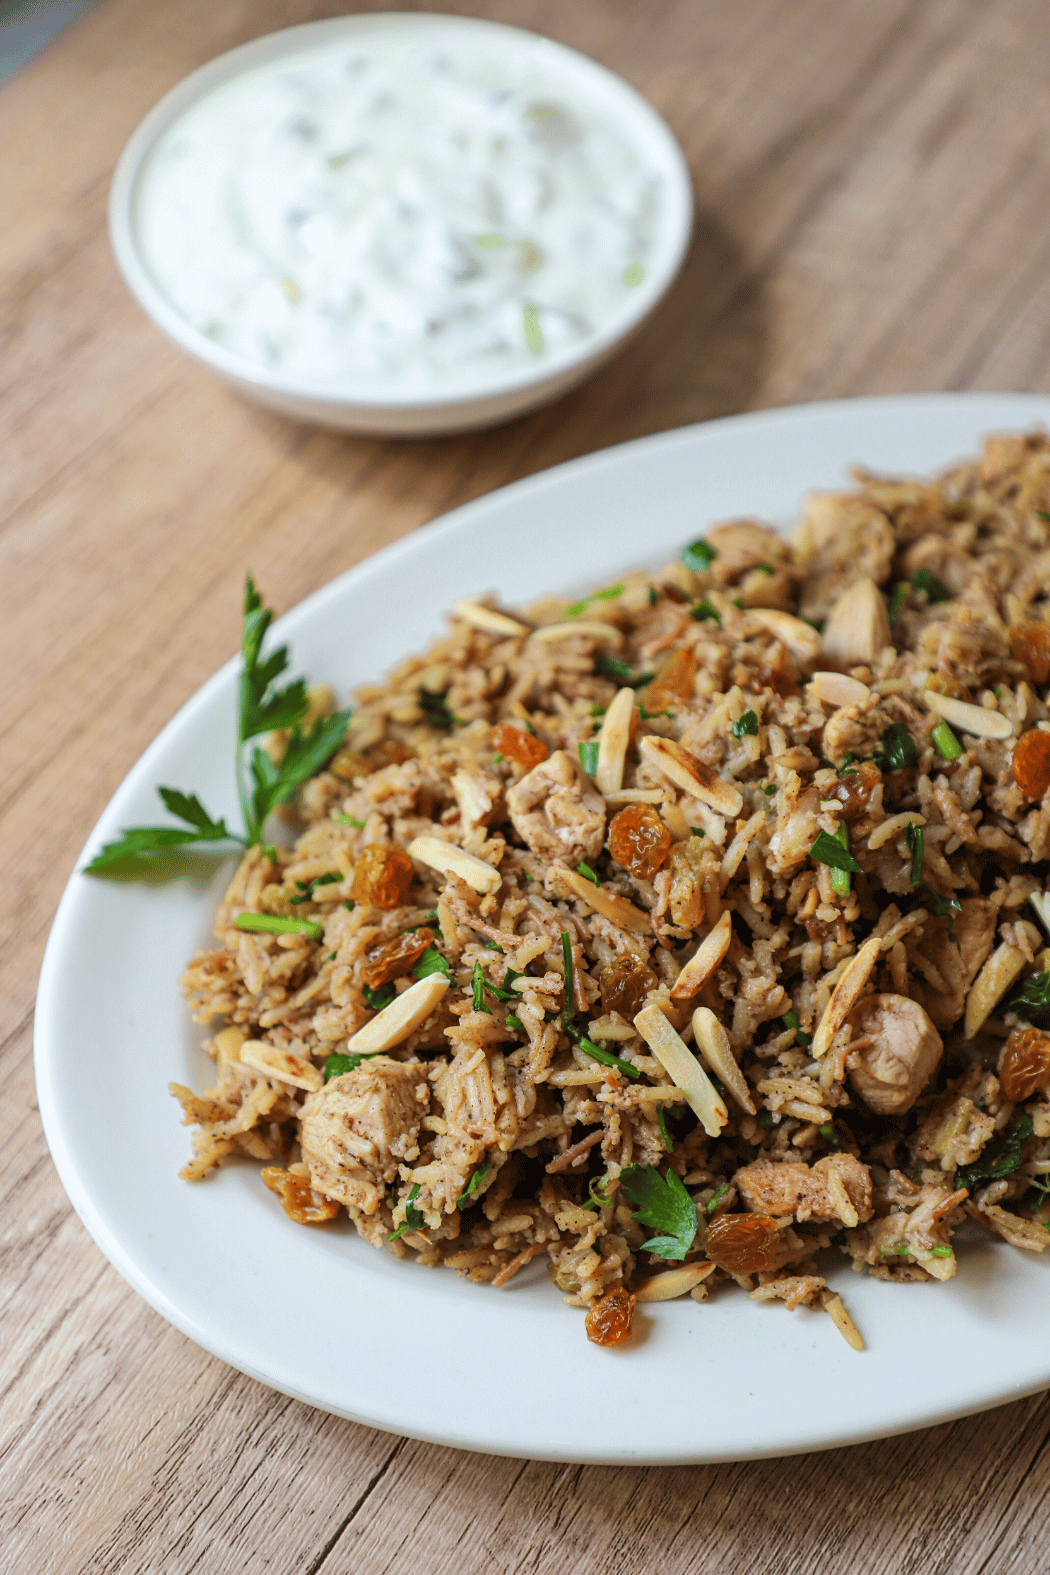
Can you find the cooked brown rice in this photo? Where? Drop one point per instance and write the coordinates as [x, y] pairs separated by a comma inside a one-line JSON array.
[[846, 1125]]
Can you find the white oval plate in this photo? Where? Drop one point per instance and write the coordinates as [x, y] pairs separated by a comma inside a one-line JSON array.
[[318, 1314]]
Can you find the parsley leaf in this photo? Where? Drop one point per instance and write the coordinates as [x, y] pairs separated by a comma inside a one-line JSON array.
[[898, 596], [377, 999], [1001, 1157], [897, 749], [913, 837], [715, 1199], [135, 840], [699, 555], [435, 709], [662, 1124], [1031, 1001], [802, 1039], [306, 887], [828, 850], [348, 820], [336, 1065], [746, 725], [478, 989], [431, 962], [514, 1022], [470, 1191], [414, 1219], [623, 672], [587, 873], [663, 1205], [703, 612], [936, 590]]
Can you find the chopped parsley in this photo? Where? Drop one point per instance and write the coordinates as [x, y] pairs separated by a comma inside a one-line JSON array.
[[897, 749], [261, 785], [663, 1205], [913, 837], [766, 1119], [587, 873], [413, 1220], [745, 726], [272, 924], [348, 820], [306, 887], [662, 1124], [849, 765], [945, 742], [765, 568], [802, 1039], [431, 962], [829, 1134], [336, 1065], [698, 556], [609, 594], [1001, 1157], [698, 831], [840, 881], [898, 596], [653, 597], [768, 788], [829, 850], [478, 986], [588, 753], [703, 612], [515, 1023], [470, 1191], [435, 708], [378, 999], [715, 1199], [935, 589], [1032, 1000], [623, 672]]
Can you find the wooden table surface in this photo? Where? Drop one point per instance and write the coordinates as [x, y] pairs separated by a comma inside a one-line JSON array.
[[873, 183]]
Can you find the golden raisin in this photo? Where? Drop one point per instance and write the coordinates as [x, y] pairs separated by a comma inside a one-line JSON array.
[[854, 788], [743, 1243], [1030, 644], [1025, 1064], [673, 682], [382, 875], [1030, 766], [517, 745], [625, 983], [609, 1320], [394, 958], [639, 840], [298, 1199]]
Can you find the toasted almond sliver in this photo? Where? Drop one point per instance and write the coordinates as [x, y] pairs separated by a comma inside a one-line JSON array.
[[704, 960], [683, 1068], [612, 741], [799, 637], [839, 689], [888, 829], [281, 1065], [690, 774], [589, 628], [832, 1304], [450, 860], [616, 909], [1040, 901], [713, 1043], [844, 995], [482, 617], [636, 796], [673, 1282], [976, 719], [228, 1044], [991, 984], [396, 1021]]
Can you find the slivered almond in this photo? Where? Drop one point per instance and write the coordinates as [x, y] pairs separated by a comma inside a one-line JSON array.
[[589, 628], [713, 1043], [976, 719], [612, 741], [690, 774], [799, 637], [991, 984], [704, 960], [281, 1065], [683, 1069], [844, 995], [673, 1282], [450, 860], [616, 909], [839, 689], [228, 1046], [486, 618], [832, 1304], [1040, 901], [396, 1021], [888, 829], [636, 796]]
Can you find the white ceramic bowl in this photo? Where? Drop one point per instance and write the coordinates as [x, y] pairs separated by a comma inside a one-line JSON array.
[[495, 396]]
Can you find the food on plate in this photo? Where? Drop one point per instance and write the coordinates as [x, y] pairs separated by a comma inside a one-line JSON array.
[[674, 934]]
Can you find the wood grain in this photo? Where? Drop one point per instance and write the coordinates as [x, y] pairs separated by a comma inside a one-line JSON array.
[[873, 181]]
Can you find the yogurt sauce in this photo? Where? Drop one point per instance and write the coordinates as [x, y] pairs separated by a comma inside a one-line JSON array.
[[398, 215]]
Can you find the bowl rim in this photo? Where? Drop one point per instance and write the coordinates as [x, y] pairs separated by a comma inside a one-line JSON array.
[[223, 68]]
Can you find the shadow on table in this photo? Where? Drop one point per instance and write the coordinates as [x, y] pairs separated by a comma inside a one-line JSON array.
[[700, 355]]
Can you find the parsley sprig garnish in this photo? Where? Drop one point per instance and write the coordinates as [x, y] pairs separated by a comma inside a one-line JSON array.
[[261, 785], [663, 1205]]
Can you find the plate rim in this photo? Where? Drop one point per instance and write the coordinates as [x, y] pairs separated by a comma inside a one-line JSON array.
[[312, 606]]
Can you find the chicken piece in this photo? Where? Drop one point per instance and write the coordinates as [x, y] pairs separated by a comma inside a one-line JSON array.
[[958, 964], [558, 812], [358, 1128], [817, 1192], [841, 539], [743, 544], [858, 625], [798, 821], [890, 1073], [953, 1133], [479, 795]]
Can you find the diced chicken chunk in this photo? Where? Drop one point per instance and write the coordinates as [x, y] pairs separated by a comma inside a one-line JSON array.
[[742, 544], [958, 964], [479, 795], [361, 1126], [558, 812], [891, 1072], [807, 1192], [858, 625]]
